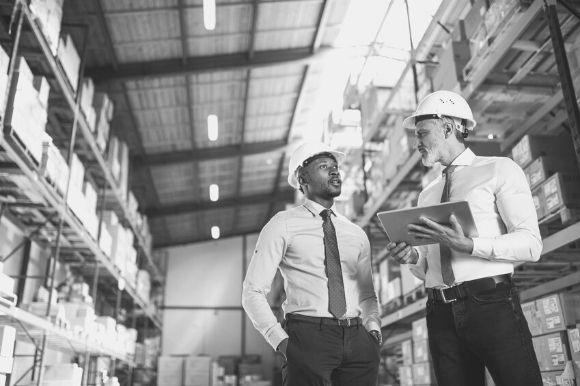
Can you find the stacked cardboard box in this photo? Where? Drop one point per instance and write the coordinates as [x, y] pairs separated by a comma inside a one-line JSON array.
[[555, 346], [27, 115], [54, 167], [118, 162], [170, 371], [104, 110], [48, 14], [143, 287], [422, 367], [63, 374], [7, 340], [197, 371], [452, 61], [69, 60], [86, 103]]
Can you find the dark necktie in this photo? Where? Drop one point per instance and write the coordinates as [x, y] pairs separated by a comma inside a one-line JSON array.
[[336, 298], [444, 250]]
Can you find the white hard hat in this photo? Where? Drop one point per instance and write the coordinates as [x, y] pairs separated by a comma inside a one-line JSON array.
[[305, 151], [442, 103]]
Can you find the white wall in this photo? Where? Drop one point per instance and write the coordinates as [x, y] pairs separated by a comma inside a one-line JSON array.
[[203, 313]]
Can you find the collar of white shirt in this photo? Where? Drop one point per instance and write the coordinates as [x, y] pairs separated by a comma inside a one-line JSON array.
[[465, 158], [315, 208]]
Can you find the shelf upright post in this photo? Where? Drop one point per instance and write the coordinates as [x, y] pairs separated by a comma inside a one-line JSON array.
[[566, 81], [14, 53]]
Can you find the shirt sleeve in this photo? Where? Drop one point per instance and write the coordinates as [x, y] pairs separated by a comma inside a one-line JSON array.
[[368, 297], [523, 241], [267, 256]]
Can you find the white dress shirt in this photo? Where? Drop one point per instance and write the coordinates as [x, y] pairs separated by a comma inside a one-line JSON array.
[[293, 241], [503, 210]]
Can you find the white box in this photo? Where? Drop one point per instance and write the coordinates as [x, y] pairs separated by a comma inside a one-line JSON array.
[[69, 60], [7, 339], [105, 241], [197, 371], [64, 372], [77, 170], [6, 364], [170, 371], [90, 196]]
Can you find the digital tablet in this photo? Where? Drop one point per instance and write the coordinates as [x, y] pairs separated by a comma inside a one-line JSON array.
[[395, 222]]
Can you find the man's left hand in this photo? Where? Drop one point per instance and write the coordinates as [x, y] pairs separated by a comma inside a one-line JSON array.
[[377, 336], [452, 236]]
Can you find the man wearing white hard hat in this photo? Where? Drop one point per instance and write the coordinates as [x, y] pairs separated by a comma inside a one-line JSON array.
[[331, 330], [474, 318]]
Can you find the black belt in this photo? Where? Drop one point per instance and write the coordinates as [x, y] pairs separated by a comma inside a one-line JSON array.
[[346, 322], [467, 288]]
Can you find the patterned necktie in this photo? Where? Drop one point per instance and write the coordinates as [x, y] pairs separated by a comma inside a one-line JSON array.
[[444, 250], [336, 298]]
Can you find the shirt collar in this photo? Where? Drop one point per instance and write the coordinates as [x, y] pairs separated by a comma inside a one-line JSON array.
[[465, 158], [315, 208]]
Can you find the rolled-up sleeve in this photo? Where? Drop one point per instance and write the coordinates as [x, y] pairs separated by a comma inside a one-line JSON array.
[[523, 241], [368, 297], [268, 253]]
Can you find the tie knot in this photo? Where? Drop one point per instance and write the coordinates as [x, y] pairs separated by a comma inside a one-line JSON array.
[[325, 214], [449, 169]]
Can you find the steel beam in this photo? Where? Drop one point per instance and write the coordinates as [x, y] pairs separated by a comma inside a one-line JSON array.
[[206, 154], [201, 64], [566, 81], [251, 45], [189, 207]]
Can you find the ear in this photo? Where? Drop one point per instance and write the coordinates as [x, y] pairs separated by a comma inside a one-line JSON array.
[[448, 129]]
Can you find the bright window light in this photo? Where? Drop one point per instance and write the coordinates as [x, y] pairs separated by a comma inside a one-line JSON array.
[[209, 14], [215, 232], [212, 127], [214, 192]]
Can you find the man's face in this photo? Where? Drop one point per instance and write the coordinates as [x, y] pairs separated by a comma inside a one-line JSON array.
[[322, 178], [430, 141]]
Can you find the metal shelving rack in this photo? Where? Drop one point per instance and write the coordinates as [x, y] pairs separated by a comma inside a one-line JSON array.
[[397, 323], [42, 213]]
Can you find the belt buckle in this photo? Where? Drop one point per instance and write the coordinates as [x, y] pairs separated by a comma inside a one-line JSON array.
[[445, 300], [344, 322]]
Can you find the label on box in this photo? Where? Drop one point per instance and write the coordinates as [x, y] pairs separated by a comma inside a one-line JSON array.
[[574, 340], [550, 305], [555, 344], [558, 359], [551, 187], [552, 201], [536, 177], [553, 322]]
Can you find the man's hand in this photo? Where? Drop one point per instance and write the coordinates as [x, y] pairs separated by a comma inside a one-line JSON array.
[[377, 336], [403, 253], [452, 236], [282, 347]]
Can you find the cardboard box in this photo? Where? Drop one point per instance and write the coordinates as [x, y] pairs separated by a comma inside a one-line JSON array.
[[6, 364], [197, 371], [543, 167], [69, 59], [407, 352], [531, 147], [539, 202], [551, 351], [423, 374], [421, 351], [406, 375], [77, 171], [419, 330], [561, 190], [564, 377], [170, 371], [452, 61], [54, 167], [558, 311], [533, 317], [48, 14], [7, 339], [574, 342], [87, 96], [63, 373]]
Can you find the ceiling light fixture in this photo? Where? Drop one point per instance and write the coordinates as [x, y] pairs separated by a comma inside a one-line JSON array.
[[214, 192], [212, 127], [215, 232], [490, 136], [209, 14]]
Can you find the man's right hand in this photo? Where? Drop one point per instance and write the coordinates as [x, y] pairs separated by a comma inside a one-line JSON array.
[[403, 253], [282, 347]]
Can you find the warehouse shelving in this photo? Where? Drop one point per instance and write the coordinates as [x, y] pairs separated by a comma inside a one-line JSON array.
[[36, 206], [101, 172], [557, 241], [40, 185]]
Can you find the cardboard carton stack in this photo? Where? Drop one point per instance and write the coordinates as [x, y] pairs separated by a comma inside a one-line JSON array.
[[170, 371], [86, 103], [422, 367], [104, 109], [63, 374], [69, 59], [553, 324], [197, 371], [7, 340], [48, 14], [27, 115], [551, 170], [82, 197], [143, 287]]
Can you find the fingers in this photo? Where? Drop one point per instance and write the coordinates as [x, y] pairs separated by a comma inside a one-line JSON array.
[[401, 252], [455, 224]]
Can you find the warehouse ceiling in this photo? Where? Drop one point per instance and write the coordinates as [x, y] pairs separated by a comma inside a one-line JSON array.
[[166, 73]]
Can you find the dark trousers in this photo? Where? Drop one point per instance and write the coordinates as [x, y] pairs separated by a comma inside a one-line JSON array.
[[487, 330], [326, 355]]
